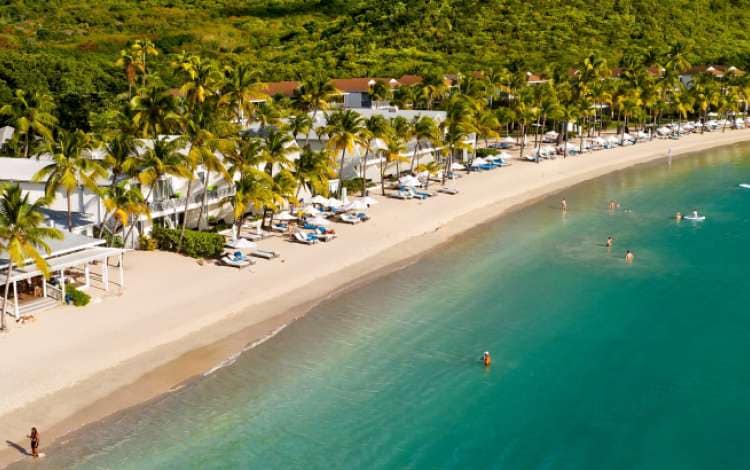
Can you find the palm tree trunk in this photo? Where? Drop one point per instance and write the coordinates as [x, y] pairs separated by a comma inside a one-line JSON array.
[[70, 214], [307, 136], [382, 176], [26, 145], [341, 172], [185, 213], [204, 201], [364, 169], [5, 296], [414, 157]]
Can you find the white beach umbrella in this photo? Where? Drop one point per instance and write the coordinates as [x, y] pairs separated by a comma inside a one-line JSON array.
[[478, 162], [333, 202], [508, 140], [319, 221], [356, 205], [455, 166], [322, 200], [284, 216], [242, 244], [310, 210], [409, 181]]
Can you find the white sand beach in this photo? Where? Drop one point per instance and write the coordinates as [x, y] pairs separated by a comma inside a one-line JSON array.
[[177, 318]]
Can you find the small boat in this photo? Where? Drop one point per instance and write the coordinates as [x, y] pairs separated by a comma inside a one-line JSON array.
[[695, 218], [745, 185]]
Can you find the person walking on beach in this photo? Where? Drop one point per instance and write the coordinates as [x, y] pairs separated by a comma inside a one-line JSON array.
[[564, 205], [34, 438], [629, 257]]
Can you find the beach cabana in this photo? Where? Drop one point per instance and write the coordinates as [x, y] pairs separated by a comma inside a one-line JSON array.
[[70, 260]]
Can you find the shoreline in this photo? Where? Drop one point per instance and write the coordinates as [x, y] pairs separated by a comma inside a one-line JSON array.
[[194, 348]]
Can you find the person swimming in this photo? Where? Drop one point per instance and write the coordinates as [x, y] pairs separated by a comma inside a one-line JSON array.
[[486, 359], [611, 205], [629, 257], [678, 216], [610, 242]]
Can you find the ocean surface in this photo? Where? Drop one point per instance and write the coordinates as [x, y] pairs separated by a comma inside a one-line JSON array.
[[596, 364]]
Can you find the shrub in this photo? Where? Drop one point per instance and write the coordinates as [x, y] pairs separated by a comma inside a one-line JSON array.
[[196, 244], [146, 243], [76, 297]]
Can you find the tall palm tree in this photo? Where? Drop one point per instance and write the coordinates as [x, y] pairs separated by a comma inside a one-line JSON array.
[[424, 129], [312, 169], [129, 64], [71, 167], [126, 204], [313, 95], [242, 87], [403, 130], [393, 153], [119, 155], [432, 89], [31, 114], [22, 234], [345, 131], [253, 188], [376, 127], [277, 148], [154, 111]]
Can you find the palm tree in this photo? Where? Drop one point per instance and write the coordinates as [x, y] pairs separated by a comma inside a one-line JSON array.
[[22, 234], [31, 115], [154, 111], [431, 168], [140, 50], [299, 124], [312, 169], [120, 152], [402, 129], [433, 88], [345, 131], [393, 153], [277, 148], [406, 97], [380, 92], [126, 204], [424, 129], [241, 87], [376, 127], [71, 167], [313, 95], [129, 64], [253, 188]]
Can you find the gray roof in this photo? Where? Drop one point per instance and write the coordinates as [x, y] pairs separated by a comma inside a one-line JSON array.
[[60, 218], [70, 242]]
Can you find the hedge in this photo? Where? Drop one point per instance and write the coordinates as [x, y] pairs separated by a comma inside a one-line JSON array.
[[195, 244], [76, 297]]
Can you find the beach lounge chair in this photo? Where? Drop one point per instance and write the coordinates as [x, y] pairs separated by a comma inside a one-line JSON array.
[[401, 195], [349, 219], [237, 260], [265, 254], [305, 238], [422, 192], [415, 194], [326, 237], [447, 190], [280, 227]]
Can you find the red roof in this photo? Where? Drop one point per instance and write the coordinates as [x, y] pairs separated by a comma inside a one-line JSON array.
[[408, 80], [281, 88]]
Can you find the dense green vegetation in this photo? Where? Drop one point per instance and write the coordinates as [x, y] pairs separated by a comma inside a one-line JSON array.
[[67, 47]]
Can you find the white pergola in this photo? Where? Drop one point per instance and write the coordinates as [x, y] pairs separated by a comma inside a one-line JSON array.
[[58, 264]]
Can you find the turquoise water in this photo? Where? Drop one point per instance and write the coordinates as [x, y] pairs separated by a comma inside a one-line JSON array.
[[596, 364]]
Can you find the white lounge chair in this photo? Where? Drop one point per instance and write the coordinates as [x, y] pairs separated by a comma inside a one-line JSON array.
[[304, 238], [350, 219], [240, 263], [265, 254], [447, 190]]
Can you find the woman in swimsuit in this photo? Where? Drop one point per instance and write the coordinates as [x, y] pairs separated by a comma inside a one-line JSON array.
[[34, 437]]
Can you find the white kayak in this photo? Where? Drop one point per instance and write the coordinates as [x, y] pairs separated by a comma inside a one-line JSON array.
[[695, 218], [745, 185]]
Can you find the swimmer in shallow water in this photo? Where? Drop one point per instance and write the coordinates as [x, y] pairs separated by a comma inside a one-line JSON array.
[[564, 205], [610, 242], [486, 359], [695, 213], [678, 216], [629, 257]]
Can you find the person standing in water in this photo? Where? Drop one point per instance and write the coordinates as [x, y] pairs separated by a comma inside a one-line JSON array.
[[669, 156], [564, 205], [34, 438], [629, 257], [486, 359], [610, 242]]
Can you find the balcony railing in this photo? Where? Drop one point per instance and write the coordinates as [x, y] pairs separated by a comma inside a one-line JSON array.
[[197, 198]]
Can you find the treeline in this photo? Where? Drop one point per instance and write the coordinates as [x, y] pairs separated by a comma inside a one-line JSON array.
[[65, 47]]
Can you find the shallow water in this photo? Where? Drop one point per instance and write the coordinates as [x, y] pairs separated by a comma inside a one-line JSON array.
[[596, 364]]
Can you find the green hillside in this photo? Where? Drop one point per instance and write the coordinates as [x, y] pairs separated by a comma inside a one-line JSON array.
[[69, 46]]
